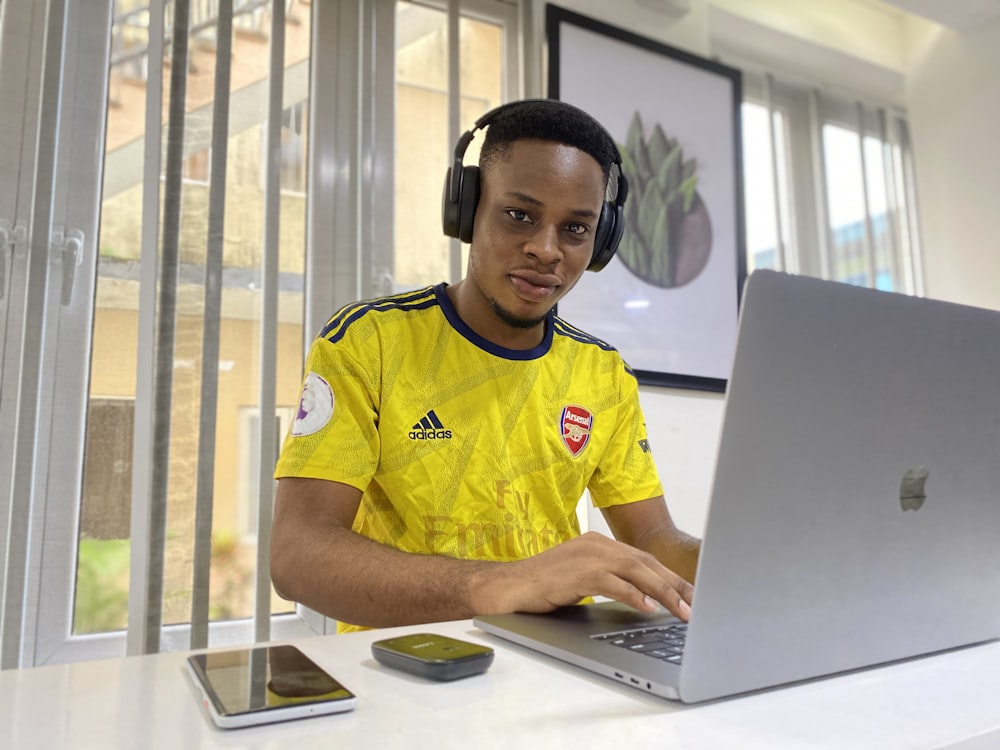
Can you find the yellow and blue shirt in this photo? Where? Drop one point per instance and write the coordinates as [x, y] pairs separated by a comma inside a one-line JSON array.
[[461, 447]]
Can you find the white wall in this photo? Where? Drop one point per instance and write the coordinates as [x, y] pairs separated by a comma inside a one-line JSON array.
[[949, 86], [954, 106]]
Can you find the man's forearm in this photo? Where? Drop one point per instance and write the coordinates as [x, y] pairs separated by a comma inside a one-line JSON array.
[[353, 579], [647, 525], [356, 580], [675, 549]]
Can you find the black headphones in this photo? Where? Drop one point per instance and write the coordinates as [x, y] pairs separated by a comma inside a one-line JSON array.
[[461, 195]]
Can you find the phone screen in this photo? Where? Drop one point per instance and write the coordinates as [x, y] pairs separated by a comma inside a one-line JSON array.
[[266, 684]]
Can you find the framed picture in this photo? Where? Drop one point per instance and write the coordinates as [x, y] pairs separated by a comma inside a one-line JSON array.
[[669, 299]]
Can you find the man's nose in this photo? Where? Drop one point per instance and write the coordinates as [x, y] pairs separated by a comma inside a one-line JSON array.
[[544, 244]]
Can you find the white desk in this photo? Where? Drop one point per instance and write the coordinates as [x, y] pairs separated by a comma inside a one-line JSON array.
[[524, 701]]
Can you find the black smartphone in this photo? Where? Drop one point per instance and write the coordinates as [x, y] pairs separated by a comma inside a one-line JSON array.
[[435, 657], [264, 684]]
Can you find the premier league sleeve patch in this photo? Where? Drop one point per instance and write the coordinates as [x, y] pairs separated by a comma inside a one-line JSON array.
[[315, 406], [576, 423]]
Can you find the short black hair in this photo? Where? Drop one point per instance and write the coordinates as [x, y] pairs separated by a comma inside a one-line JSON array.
[[547, 120]]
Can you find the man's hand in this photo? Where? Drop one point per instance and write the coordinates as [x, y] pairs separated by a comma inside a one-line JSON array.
[[589, 565]]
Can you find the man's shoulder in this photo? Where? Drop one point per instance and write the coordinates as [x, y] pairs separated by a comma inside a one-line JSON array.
[[379, 311], [577, 336], [603, 357]]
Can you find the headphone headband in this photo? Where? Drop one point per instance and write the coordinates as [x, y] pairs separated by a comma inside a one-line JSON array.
[[462, 187]]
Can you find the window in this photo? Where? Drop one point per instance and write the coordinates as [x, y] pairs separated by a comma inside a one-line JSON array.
[[827, 186], [101, 596], [196, 166], [294, 150], [423, 148], [187, 301], [244, 521], [858, 207], [294, 147], [235, 325], [765, 187]]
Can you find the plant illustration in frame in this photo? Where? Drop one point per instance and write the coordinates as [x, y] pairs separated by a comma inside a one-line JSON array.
[[669, 233]]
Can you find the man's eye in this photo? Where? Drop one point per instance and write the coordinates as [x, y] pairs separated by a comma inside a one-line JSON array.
[[577, 228], [517, 214]]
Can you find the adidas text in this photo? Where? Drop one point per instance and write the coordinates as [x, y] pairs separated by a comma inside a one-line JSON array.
[[430, 435]]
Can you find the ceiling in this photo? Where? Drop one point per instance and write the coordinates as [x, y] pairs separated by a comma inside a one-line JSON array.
[[960, 15]]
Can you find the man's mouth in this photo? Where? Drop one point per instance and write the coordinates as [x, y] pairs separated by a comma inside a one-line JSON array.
[[534, 287]]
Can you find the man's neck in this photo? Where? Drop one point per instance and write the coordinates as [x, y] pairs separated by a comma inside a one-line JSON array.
[[477, 313]]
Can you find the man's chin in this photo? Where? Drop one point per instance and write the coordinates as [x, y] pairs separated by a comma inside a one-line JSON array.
[[514, 320]]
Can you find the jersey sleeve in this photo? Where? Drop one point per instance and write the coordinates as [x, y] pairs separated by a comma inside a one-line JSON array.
[[334, 433], [627, 472]]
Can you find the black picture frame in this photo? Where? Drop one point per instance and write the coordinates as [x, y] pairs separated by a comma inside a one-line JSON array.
[[669, 299]]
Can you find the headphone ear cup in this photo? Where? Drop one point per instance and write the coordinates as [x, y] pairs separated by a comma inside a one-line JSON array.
[[468, 202], [450, 208], [458, 216], [610, 226]]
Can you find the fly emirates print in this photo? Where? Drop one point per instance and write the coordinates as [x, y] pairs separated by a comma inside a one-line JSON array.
[[508, 530]]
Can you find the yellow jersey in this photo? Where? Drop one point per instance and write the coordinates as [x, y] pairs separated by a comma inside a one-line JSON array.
[[461, 447]]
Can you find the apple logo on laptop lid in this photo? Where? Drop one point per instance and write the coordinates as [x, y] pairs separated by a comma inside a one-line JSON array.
[[912, 489]]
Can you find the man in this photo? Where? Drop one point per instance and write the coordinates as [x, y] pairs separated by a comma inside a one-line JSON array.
[[445, 436]]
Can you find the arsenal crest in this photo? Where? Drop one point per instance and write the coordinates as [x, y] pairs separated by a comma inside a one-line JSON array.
[[576, 423]]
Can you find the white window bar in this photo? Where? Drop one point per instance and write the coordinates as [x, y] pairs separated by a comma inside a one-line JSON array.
[[140, 531], [454, 124], [914, 248], [25, 490], [781, 256], [869, 236], [819, 185], [21, 32], [522, 47], [212, 320], [167, 320], [379, 175], [332, 207], [267, 447], [897, 253]]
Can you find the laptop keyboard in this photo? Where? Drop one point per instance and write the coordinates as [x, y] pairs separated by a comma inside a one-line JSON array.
[[664, 642]]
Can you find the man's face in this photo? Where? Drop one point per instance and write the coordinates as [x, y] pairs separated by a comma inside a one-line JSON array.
[[534, 229]]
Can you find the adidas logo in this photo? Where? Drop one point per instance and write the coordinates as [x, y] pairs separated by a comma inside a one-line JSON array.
[[429, 428]]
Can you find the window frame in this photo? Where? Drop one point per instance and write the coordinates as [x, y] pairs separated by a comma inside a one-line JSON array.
[[61, 258], [39, 588], [806, 109]]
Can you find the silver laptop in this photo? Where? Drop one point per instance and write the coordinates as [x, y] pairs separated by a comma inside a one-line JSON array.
[[855, 511]]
